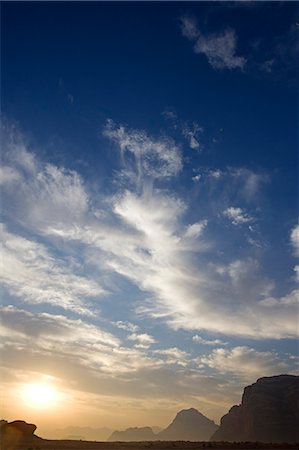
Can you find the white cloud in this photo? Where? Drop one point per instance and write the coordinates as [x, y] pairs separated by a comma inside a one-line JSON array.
[[196, 229], [220, 49], [144, 340], [8, 175], [31, 273], [288, 300], [60, 337], [189, 27], [295, 244], [217, 173], [174, 355], [237, 215], [295, 239], [153, 158], [141, 235], [191, 131], [44, 326], [212, 342], [196, 177], [246, 362], [245, 279], [42, 194], [191, 134], [128, 326]]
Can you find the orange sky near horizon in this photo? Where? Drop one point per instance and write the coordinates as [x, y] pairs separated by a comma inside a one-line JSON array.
[[50, 406]]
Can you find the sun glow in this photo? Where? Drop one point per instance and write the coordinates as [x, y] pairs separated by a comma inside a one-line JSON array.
[[40, 395]]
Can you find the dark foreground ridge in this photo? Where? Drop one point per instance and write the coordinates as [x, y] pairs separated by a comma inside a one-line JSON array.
[[269, 412]]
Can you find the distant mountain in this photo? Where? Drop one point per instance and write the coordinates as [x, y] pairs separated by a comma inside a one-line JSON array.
[[188, 425], [133, 434], [269, 412], [83, 433]]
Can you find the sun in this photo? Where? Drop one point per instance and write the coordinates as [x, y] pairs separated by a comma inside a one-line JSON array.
[[40, 395]]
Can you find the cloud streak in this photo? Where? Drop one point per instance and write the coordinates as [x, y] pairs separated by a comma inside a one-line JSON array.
[[142, 236], [32, 274], [156, 158], [237, 215], [247, 362], [219, 49]]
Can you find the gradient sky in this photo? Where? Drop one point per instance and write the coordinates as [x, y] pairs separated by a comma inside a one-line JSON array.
[[149, 207]]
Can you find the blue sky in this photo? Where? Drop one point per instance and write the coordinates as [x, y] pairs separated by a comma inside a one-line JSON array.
[[149, 205]]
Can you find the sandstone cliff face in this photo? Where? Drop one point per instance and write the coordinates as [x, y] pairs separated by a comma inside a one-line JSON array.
[[17, 435], [269, 412]]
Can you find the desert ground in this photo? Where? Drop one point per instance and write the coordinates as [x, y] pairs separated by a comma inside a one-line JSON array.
[[157, 445]]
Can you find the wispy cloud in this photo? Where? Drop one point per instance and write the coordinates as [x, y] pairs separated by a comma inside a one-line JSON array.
[[248, 182], [174, 355], [143, 235], [248, 362], [196, 229], [212, 342], [42, 335], [153, 157], [143, 340], [295, 244], [295, 239], [296, 270], [34, 275], [128, 326], [192, 134], [220, 49], [42, 193], [237, 215]]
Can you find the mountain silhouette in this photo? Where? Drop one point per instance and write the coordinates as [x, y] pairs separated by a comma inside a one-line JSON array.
[[269, 412], [83, 433], [133, 434], [189, 425]]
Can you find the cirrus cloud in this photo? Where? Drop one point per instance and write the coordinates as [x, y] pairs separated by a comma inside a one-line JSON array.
[[219, 48]]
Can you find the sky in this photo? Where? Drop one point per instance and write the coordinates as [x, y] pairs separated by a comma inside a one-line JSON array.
[[149, 208]]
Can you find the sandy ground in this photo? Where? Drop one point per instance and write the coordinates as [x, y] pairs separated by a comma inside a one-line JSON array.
[[157, 445]]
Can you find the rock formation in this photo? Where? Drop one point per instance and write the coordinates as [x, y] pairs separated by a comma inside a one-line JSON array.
[[269, 412], [17, 435], [133, 434], [189, 425]]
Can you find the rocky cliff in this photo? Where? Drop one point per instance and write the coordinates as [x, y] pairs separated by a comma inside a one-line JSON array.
[[17, 435], [269, 412], [189, 425]]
